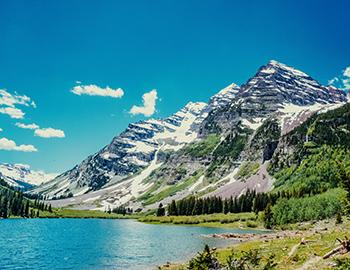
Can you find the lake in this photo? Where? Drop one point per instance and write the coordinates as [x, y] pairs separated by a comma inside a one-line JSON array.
[[99, 243]]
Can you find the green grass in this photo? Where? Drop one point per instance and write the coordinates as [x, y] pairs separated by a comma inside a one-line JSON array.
[[202, 148], [240, 220], [318, 244], [169, 191], [71, 213], [248, 169], [229, 149], [149, 193]]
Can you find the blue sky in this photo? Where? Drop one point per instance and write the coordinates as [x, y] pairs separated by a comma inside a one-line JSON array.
[[186, 50]]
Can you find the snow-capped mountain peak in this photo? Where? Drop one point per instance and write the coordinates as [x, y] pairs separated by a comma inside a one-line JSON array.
[[131, 151], [275, 90], [276, 84], [275, 66], [195, 107], [136, 147], [224, 96], [21, 175]]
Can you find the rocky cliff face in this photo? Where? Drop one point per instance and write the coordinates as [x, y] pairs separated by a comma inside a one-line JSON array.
[[203, 147], [224, 97], [275, 84], [130, 152], [274, 87]]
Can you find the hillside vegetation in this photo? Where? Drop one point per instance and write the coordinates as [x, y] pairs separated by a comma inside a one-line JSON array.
[[13, 203]]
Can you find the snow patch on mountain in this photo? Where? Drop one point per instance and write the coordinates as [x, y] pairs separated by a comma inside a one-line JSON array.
[[130, 152], [291, 115], [224, 96], [254, 123], [115, 175], [276, 84]]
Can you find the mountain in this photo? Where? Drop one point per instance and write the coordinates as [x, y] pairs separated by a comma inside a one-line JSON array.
[[276, 83], [274, 87], [21, 176], [224, 97], [219, 148], [130, 152]]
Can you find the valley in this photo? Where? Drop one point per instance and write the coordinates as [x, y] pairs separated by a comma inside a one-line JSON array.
[[272, 153], [202, 149]]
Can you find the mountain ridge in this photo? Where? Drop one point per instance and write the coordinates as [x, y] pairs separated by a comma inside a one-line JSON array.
[[22, 176], [233, 117]]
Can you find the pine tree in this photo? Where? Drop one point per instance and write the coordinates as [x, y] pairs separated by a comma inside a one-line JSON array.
[[345, 176], [160, 211], [26, 211], [198, 207], [204, 261], [268, 217], [172, 209], [226, 206]]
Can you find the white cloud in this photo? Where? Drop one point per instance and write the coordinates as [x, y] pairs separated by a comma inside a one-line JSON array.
[[9, 145], [149, 104], [346, 84], [49, 133], [27, 126], [334, 80], [1, 129], [94, 90], [342, 81], [9, 101], [347, 72], [346, 80], [42, 132], [13, 112]]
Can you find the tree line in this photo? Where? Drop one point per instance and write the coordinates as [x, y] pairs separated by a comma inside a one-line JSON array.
[[251, 201], [122, 210], [15, 203]]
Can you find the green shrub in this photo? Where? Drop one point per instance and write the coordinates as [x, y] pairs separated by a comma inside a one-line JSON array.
[[316, 207], [202, 148], [342, 264], [247, 169], [321, 170], [251, 224]]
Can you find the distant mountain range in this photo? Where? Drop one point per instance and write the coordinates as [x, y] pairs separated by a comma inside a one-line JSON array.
[[222, 147], [21, 176]]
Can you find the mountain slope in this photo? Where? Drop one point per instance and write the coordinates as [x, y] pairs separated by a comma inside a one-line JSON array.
[[130, 152], [203, 148], [309, 158], [274, 87]]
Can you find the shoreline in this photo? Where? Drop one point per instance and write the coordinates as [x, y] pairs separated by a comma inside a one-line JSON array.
[[209, 225], [72, 213], [137, 219], [238, 221], [292, 249]]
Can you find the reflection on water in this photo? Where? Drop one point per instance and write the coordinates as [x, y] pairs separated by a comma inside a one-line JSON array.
[[98, 243]]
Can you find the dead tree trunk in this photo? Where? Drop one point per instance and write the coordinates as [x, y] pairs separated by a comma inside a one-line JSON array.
[[344, 247]]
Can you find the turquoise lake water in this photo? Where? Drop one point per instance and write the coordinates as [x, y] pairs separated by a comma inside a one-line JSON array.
[[98, 244]]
